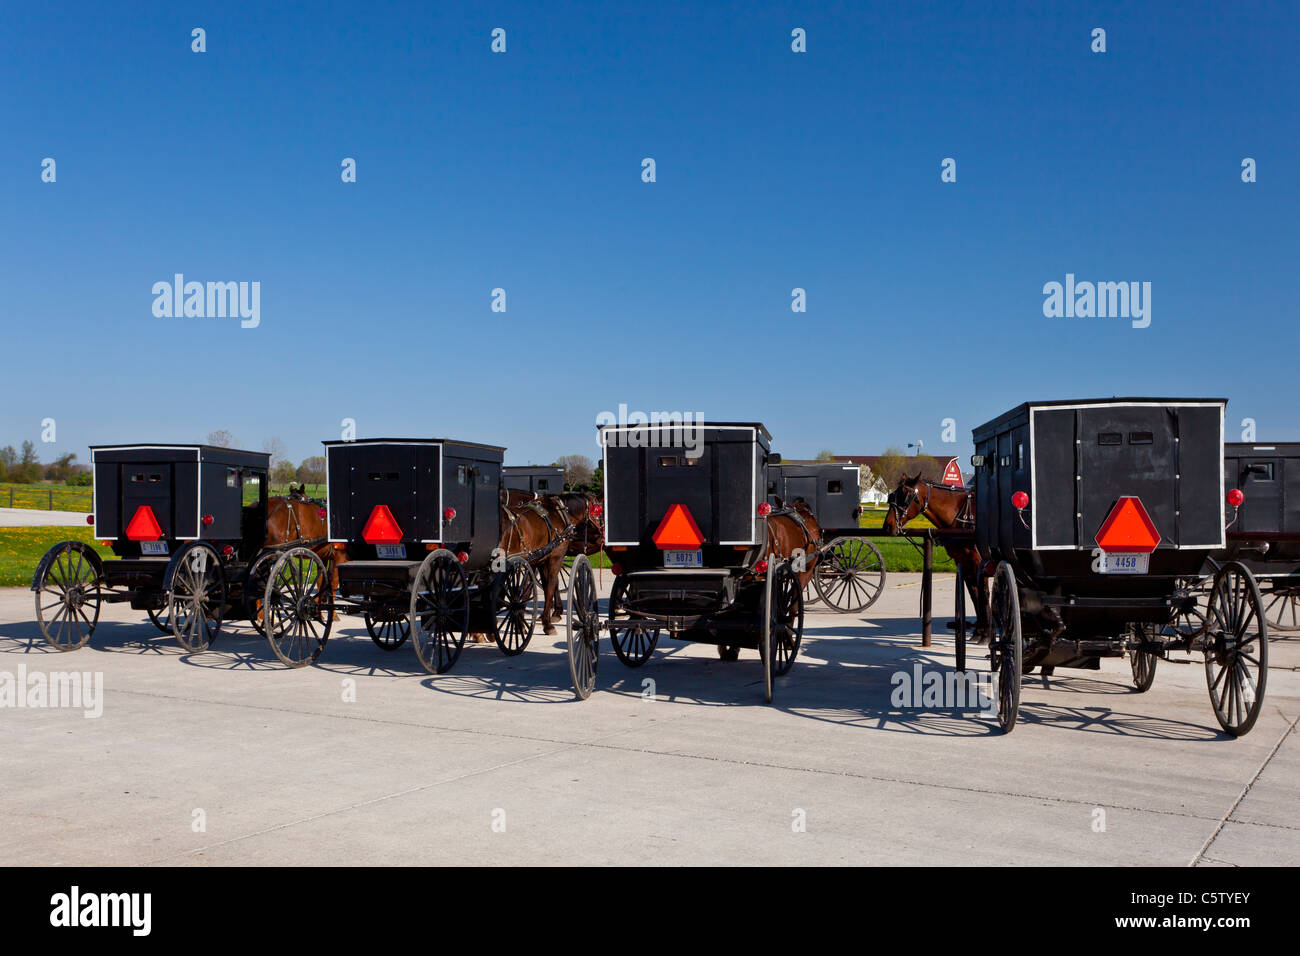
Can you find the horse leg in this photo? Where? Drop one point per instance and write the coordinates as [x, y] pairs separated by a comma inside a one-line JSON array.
[[550, 587]]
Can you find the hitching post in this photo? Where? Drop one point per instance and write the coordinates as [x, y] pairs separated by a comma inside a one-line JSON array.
[[927, 580]]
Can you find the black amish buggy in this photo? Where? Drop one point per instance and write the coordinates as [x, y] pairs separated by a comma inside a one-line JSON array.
[[537, 479], [416, 528], [685, 527], [187, 524], [850, 570], [1266, 537], [1091, 518]]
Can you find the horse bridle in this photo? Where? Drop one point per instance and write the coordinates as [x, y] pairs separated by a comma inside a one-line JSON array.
[[963, 515]]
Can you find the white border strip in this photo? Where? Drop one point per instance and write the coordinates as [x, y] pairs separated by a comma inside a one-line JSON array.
[[329, 497]]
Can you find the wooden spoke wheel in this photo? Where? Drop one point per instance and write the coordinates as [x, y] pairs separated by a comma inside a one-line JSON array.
[[1282, 609], [161, 618], [255, 578], [583, 619], [1142, 663], [298, 607], [562, 588], [1236, 649], [1005, 645], [516, 605], [388, 629], [439, 612], [197, 601], [632, 645], [729, 652], [68, 596], [782, 624], [849, 575]]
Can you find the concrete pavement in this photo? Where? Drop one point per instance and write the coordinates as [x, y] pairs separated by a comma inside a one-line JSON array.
[[366, 758], [32, 518]]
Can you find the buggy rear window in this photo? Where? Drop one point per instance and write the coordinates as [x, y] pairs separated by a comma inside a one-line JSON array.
[[1139, 438], [835, 487], [382, 476], [146, 476], [1260, 470], [1110, 438], [543, 484]]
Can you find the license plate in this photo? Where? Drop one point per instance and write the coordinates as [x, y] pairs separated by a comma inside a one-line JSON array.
[[1124, 563], [397, 551], [153, 547], [683, 559]]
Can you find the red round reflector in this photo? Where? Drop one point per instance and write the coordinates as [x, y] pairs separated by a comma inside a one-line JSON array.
[[1236, 497], [596, 511], [617, 569], [761, 567], [207, 519], [462, 557], [449, 514], [90, 519], [322, 512], [227, 551], [763, 511], [1020, 500]]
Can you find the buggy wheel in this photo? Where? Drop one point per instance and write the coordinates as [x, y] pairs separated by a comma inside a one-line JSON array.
[[388, 630], [1142, 663], [562, 588], [67, 587], [1282, 610], [198, 597], [161, 618], [632, 645], [849, 575], [439, 612], [259, 572], [298, 607], [782, 624], [729, 652], [515, 607], [810, 595], [959, 620], [1236, 649], [583, 618], [1006, 649]]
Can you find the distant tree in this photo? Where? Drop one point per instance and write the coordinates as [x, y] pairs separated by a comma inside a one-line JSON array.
[[8, 457], [221, 438], [283, 472], [28, 468], [597, 485], [578, 470], [312, 471], [275, 448], [826, 455], [61, 468], [890, 467]]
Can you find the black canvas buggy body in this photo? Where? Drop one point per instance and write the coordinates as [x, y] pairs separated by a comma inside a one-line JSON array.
[[1092, 518], [850, 571], [415, 526], [187, 525], [535, 479], [1266, 536], [685, 509]]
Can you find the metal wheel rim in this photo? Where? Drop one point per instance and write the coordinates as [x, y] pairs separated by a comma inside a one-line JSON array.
[[632, 645], [66, 589], [515, 608], [297, 608], [389, 633], [787, 620], [1236, 650], [1282, 609], [1006, 645], [583, 622], [197, 600], [439, 612], [849, 575]]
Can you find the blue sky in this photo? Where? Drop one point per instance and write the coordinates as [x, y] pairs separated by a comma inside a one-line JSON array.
[[522, 170]]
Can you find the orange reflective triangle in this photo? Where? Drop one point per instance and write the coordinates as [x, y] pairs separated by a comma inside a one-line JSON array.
[[381, 527], [143, 525], [678, 529], [1128, 529]]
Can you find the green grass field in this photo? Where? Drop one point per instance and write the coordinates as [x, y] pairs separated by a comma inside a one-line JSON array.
[[22, 548], [51, 496], [899, 553]]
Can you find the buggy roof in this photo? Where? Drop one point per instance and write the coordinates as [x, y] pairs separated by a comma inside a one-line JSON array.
[[1021, 411], [757, 426], [1282, 449], [178, 452], [415, 441]]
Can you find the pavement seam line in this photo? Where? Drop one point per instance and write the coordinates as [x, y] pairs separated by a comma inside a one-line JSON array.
[[1223, 821]]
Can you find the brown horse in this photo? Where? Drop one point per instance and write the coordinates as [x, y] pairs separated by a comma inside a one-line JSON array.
[[588, 531], [793, 529], [540, 525], [946, 507]]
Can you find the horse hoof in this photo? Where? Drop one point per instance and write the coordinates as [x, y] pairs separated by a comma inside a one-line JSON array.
[[549, 629]]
